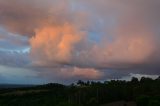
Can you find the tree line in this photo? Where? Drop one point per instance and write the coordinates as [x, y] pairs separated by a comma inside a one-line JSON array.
[[145, 92]]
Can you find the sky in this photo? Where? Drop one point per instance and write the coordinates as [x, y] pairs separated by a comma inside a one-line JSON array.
[[63, 41]]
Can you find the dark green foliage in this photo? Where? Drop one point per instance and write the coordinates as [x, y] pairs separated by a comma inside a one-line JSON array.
[[148, 101], [92, 102], [154, 103], [145, 92], [142, 101]]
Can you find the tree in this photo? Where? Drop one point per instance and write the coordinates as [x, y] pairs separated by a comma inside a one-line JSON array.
[[80, 83], [134, 80]]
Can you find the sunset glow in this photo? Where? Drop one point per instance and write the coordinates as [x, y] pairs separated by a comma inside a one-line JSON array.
[[66, 40]]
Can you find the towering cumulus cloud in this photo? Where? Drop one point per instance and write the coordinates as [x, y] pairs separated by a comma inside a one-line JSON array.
[[86, 38]]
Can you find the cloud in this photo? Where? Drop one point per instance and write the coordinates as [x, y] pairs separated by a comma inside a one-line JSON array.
[[69, 74], [139, 76], [12, 42], [87, 36], [14, 75], [132, 40], [14, 59], [85, 73], [23, 17], [56, 44]]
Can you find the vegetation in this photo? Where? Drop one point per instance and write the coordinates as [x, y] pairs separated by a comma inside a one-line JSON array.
[[145, 92]]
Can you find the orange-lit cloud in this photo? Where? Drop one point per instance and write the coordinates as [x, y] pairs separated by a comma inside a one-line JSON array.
[[59, 33], [86, 73], [55, 44]]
